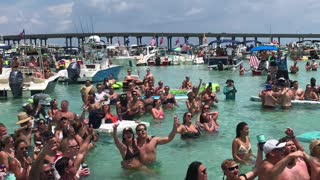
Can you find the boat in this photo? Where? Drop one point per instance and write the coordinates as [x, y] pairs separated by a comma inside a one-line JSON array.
[[222, 63], [258, 99], [108, 128], [95, 66], [19, 83]]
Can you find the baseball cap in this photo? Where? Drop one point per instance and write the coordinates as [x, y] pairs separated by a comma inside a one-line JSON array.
[[271, 145], [268, 87]]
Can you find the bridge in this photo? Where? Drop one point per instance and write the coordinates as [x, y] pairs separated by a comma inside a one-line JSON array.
[[33, 38]]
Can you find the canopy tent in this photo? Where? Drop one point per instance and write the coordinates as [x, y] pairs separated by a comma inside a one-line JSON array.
[[264, 48]]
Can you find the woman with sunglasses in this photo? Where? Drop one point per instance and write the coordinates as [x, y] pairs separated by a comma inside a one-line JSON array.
[[207, 121], [231, 171], [188, 130], [196, 171], [127, 147]]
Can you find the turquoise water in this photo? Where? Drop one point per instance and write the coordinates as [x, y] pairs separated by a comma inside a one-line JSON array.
[[211, 150]]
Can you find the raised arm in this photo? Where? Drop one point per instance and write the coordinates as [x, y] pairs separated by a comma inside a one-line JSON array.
[[37, 164], [289, 132], [172, 133], [118, 143]]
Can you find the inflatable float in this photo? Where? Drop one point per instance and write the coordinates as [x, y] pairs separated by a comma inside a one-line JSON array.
[[257, 99], [108, 128], [177, 97], [308, 136], [117, 85], [44, 99]]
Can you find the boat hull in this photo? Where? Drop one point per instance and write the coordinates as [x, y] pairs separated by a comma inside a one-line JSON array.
[[100, 75]]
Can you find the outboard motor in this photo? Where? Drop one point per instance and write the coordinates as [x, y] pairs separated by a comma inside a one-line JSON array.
[[220, 66], [16, 83], [73, 72]]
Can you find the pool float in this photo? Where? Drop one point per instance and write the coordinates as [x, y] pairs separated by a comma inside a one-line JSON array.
[[178, 91], [257, 99], [117, 85], [44, 99], [309, 136], [108, 128], [215, 88]]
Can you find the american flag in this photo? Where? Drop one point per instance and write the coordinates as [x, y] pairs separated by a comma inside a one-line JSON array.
[[177, 41], [21, 35], [161, 40], [152, 42], [254, 61]]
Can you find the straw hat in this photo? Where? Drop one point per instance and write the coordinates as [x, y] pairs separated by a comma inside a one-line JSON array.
[[312, 145], [23, 117]]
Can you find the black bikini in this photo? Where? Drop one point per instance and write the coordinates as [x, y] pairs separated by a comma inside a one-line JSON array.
[[130, 155]]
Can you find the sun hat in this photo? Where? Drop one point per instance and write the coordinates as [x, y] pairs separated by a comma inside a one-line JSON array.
[[271, 145], [23, 117]]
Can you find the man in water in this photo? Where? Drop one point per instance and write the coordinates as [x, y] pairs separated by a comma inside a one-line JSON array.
[[297, 92], [148, 144], [296, 167], [275, 163], [285, 95], [267, 97]]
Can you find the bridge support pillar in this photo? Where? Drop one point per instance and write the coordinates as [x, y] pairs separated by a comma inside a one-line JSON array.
[[256, 39], [279, 40], [244, 39], [157, 40], [186, 39], [200, 40], [169, 41]]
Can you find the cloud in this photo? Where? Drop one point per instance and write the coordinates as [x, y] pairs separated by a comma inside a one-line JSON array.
[[194, 11], [3, 19], [61, 10], [36, 21]]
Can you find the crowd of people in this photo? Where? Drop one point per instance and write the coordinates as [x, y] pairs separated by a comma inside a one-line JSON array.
[[52, 143]]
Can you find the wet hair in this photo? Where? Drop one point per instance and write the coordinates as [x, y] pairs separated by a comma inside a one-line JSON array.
[[127, 129], [192, 172], [285, 139], [61, 165], [240, 126], [2, 125], [184, 117], [17, 143], [139, 125]]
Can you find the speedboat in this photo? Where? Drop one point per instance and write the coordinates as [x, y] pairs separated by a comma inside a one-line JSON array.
[[21, 83], [97, 71], [223, 63]]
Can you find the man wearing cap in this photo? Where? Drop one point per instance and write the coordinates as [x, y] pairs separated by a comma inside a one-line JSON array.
[[229, 90], [25, 131], [275, 163], [268, 98]]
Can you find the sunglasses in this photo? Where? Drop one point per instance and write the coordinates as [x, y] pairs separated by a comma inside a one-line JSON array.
[[141, 129], [189, 115], [205, 108], [233, 168], [204, 171]]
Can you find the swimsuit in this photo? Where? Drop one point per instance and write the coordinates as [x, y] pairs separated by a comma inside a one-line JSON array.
[[130, 155], [169, 100], [190, 135], [244, 150]]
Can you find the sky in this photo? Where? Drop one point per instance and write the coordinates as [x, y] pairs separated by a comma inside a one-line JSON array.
[[201, 16]]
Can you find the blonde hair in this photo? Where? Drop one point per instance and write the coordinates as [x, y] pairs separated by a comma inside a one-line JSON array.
[[312, 146]]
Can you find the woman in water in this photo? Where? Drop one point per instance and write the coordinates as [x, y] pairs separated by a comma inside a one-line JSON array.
[[127, 148], [208, 120], [241, 146], [157, 111], [188, 130], [167, 99], [196, 171]]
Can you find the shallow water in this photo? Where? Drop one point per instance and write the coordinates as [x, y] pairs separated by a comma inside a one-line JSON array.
[[211, 150]]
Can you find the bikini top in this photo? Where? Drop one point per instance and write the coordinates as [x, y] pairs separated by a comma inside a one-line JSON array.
[[130, 154]]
